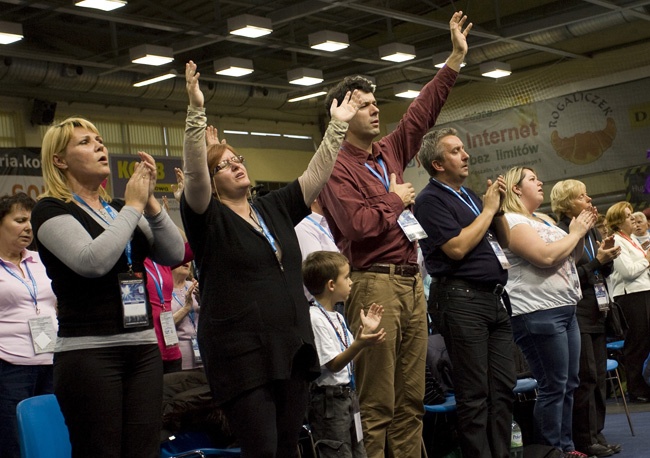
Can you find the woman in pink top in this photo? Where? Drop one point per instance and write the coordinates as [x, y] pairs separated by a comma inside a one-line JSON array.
[[28, 322]]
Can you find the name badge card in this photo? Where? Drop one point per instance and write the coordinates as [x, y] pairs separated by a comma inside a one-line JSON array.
[[168, 328], [498, 251], [134, 300], [602, 297], [356, 414], [195, 350], [43, 334], [411, 226]]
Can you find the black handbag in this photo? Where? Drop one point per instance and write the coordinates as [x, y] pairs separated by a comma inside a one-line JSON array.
[[615, 322]]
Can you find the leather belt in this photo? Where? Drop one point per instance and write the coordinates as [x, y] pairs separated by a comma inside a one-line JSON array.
[[332, 390], [497, 289], [403, 270]]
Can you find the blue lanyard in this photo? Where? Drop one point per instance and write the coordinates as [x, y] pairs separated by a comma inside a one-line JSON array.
[[191, 312], [321, 228], [384, 180], [111, 212], [266, 231], [542, 219], [158, 282], [469, 202], [344, 340], [33, 291]]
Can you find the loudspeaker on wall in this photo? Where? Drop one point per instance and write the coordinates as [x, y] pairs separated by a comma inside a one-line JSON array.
[[43, 112]]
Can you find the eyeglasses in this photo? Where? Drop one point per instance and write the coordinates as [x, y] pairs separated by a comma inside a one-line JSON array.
[[225, 164]]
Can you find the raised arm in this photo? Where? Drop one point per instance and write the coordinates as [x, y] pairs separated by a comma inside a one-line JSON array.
[[320, 167], [197, 177], [458, 40]]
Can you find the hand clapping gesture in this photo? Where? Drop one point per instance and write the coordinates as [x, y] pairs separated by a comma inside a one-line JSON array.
[[369, 323]]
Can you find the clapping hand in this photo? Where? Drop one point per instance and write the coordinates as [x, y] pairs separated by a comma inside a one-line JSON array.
[[369, 323]]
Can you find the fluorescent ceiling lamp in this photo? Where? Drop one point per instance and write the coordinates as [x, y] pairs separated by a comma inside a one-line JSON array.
[[495, 69], [104, 5], [151, 55], [327, 40], [397, 52], [265, 134], [407, 90], [298, 137], [233, 66], [247, 25], [305, 76], [10, 32], [440, 59], [308, 96], [157, 79], [235, 132]]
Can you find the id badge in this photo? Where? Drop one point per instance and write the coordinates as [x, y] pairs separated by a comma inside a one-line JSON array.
[[134, 300], [195, 351], [168, 328], [498, 251], [43, 334], [410, 226], [602, 297], [356, 414]]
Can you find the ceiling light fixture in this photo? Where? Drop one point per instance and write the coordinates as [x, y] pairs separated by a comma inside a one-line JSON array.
[[297, 137], [151, 55], [233, 66], [247, 25], [327, 40], [265, 134], [235, 132], [397, 52], [165, 76], [440, 59], [305, 76], [407, 90], [104, 5], [10, 32], [495, 69], [308, 96]]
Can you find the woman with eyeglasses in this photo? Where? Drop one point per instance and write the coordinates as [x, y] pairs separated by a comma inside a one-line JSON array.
[[107, 365], [254, 335]]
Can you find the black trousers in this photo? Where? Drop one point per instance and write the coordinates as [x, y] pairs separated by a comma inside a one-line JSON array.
[[636, 308]]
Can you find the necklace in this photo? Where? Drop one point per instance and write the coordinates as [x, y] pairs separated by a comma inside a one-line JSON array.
[[253, 217]]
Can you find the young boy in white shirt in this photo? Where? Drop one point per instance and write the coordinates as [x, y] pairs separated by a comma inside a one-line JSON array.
[[334, 408]]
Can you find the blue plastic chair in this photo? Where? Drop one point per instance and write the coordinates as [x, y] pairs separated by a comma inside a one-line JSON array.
[[524, 387], [42, 432], [612, 375], [446, 407], [194, 444]]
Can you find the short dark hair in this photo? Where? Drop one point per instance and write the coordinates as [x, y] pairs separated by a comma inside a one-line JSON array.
[[20, 200], [349, 83], [320, 267]]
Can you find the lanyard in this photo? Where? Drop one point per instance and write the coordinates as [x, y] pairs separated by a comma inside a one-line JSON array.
[[158, 282], [469, 202], [634, 244], [384, 180], [111, 212], [266, 231], [344, 340], [190, 313], [321, 228], [542, 220], [33, 291]]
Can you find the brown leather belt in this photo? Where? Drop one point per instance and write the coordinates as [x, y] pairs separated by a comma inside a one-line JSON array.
[[403, 270]]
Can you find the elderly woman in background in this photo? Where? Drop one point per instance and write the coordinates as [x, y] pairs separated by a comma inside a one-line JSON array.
[[629, 283], [255, 336], [27, 318], [641, 233], [544, 288], [568, 199], [107, 366]]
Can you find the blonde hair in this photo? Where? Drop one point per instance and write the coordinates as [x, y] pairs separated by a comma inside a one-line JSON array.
[[512, 202], [615, 216], [55, 141], [563, 194]]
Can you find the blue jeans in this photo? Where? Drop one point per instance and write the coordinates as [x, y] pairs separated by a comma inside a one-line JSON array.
[[550, 341], [477, 331], [18, 383]]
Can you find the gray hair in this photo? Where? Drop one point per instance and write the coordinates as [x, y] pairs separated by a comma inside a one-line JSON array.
[[431, 151]]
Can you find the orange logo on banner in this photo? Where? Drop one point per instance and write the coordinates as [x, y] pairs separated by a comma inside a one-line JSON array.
[[584, 147]]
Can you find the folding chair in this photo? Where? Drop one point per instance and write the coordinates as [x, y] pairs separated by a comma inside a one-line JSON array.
[[42, 432], [612, 374]]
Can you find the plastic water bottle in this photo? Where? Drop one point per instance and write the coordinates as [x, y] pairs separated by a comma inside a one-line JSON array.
[[516, 441]]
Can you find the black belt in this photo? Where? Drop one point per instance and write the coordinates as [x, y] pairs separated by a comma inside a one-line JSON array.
[[332, 390], [494, 288], [404, 270]]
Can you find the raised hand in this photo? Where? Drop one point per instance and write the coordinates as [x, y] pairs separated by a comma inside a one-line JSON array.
[[406, 191], [192, 85], [370, 320], [348, 107], [177, 188], [212, 136], [190, 292], [458, 35]]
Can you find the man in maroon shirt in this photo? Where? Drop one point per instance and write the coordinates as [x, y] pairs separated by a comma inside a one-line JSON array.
[[366, 203]]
